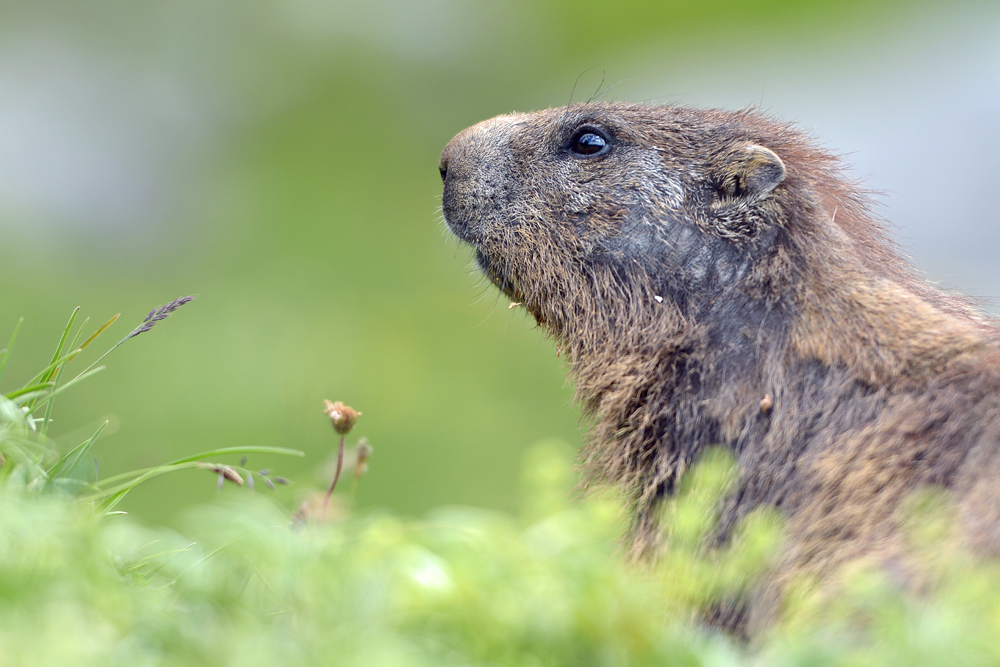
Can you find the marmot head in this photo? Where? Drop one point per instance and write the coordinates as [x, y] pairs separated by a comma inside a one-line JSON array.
[[628, 228], [670, 201]]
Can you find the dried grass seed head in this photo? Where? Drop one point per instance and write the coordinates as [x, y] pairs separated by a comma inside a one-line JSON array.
[[160, 313]]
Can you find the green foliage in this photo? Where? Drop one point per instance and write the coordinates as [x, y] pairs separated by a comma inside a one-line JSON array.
[[248, 584], [462, 586], [29, 461]]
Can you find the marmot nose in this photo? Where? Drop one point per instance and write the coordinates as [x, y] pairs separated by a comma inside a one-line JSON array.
[[443, 167]]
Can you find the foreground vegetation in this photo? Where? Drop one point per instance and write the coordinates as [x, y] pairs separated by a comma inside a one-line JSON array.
[[250, 583]]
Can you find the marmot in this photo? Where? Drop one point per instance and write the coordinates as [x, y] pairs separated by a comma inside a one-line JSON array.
[[714, 279]]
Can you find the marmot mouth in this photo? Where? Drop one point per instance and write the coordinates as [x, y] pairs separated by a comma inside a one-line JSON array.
[[488, 267], [459, 227], [501, 278], [496, 274]]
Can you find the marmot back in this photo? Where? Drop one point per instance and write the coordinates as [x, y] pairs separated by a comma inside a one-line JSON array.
[[713, 279]]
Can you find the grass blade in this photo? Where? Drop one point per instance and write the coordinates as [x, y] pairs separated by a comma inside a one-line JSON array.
[[252, 449], [76, 350], [110, 497], [41, 375], [65, 334], [100, 331], [24, 398], [79, 332], [48, 408], [25, 455], [68, 463], [57, 365], [82, 376], [40, 387], [10, 346], [58, 353], [114, 495]]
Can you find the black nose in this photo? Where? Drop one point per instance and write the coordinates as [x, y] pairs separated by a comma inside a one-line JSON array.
[[443, 168]]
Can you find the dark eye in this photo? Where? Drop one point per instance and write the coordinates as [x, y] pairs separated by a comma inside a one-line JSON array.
[[589, 142]]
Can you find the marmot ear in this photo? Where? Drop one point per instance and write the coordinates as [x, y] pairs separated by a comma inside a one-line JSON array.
[[749, 173]]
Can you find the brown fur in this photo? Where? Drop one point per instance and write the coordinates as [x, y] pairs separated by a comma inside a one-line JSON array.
[[707, 292]]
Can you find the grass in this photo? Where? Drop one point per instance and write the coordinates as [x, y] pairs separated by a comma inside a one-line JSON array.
[[32, 461], [249, 583]]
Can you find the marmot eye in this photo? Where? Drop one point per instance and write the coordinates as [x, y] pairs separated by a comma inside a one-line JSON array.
[[589, 142]]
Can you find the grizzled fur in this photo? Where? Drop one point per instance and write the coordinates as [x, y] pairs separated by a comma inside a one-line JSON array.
[[707, 260]]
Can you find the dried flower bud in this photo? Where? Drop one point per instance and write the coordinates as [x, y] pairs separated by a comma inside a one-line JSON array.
[[225, 472], [364, 450], [231, 475], [342, 416], [361, 454]]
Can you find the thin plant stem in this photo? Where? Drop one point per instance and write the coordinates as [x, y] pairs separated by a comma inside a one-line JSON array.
[[101, 358], [155, 315], [336, 474], [5, 353], [354, 490]]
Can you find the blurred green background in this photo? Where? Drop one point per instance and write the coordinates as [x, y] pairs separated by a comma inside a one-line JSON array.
[[279, 160]]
